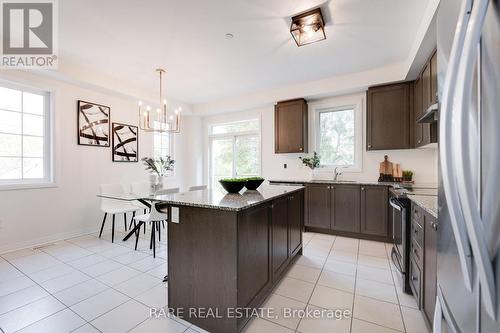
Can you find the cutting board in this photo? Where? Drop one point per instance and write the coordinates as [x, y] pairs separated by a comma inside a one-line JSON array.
[[386, 167]]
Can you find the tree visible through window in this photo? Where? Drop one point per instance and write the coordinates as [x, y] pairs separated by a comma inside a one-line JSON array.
[[234, 150], [337, 137]]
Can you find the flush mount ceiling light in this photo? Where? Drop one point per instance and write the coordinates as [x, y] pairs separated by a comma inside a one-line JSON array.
[[308, 27], [162, 120]]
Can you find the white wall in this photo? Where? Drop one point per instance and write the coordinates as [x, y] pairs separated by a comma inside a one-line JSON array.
[[422, 161], [35, 216]]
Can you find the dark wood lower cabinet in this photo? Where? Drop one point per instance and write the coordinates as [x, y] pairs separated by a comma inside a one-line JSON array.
[[318, 206], [348, 210], [430, 267], [345, 203], [295, 221], [254, 231], [280, 252], [423, 268], [374, 211], [220, 260]]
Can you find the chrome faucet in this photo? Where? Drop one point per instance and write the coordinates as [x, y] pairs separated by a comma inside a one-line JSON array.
[[337, 171]]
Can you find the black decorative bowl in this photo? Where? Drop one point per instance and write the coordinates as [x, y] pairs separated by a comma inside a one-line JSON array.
[[232, 186], [253, 184]]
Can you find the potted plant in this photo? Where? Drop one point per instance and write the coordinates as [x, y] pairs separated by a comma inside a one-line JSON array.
[[311, 162], [159, 168], [407, 175]]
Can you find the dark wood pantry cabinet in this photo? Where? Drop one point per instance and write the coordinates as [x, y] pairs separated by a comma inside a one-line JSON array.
[[388, 116], [290, 126]]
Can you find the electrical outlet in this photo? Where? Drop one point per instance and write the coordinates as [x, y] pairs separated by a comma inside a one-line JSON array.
[[284, 166]]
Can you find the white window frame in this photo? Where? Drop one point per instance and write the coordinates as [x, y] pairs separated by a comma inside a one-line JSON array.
[[339, 104], [233, 136], [48, 135], [170, 151]]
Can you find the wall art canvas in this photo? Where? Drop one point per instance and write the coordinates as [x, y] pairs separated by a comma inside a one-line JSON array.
[[125, 143], [93, 124]]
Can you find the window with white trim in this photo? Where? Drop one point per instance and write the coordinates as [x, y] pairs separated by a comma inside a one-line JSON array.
[[25, 136], [339, 136], [161, 145], [234, 150]]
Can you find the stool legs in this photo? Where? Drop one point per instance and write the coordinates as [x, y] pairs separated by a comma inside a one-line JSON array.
[[113, 230], [102, 225]]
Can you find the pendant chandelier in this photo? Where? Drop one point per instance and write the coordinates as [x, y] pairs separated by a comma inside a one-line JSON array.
[[160, 120]]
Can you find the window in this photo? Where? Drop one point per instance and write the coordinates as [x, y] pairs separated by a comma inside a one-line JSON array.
[[161, 144], [25, 136], [234, 150], [339, 136]]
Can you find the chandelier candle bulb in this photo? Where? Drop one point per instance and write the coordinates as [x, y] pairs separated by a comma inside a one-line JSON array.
[[162, 123]]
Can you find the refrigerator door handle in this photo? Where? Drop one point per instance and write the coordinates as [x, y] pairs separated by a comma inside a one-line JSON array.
[[470, 205], [447, 155], [441, 312]]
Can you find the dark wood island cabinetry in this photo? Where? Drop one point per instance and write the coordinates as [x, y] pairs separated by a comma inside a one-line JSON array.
[[228, 251]]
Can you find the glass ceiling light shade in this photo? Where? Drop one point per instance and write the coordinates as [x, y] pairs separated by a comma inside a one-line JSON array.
[[308, 27], [160, 120]]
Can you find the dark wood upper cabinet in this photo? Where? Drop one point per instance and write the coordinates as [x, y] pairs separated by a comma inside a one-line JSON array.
[[424, 95], [345, 215], [429, 267], [388, 117], [434, 79], [426, 87], [374, 210], [318, 206], [295, 221], [417, 111], [290, 126]]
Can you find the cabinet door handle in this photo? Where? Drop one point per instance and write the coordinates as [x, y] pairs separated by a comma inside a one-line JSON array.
[[369, 146], [301, 148], [362, 189], [413, 278]]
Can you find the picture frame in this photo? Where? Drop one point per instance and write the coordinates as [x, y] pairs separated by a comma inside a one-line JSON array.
[[93, 124], [125, 141]]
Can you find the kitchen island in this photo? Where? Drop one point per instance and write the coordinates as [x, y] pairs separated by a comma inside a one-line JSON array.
[[227, 251]]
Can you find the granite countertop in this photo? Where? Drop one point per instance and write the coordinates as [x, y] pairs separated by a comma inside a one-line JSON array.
[[331, 181], [429, 203], [219, 199]]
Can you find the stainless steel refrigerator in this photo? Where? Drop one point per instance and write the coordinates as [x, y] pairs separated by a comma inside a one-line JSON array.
[[468, 292]]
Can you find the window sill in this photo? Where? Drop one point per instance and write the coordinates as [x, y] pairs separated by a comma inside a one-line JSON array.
[[27, 186]]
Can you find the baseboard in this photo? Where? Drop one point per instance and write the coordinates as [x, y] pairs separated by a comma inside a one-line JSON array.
[[43, 240]]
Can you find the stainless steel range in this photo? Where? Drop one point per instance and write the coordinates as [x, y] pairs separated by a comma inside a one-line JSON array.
[[401, 222]]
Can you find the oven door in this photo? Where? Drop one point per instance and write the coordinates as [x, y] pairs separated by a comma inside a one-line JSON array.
[[398, 226]]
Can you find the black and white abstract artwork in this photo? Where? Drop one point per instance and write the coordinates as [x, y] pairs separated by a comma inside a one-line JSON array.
[[125, 143], [93, 124]]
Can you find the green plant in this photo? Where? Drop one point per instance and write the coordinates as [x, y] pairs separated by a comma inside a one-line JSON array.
[[407, 174], [311, 162], [160, 166], [233, 180], [253, 178]]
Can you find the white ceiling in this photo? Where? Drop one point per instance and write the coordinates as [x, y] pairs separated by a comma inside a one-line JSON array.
[[128, 39]]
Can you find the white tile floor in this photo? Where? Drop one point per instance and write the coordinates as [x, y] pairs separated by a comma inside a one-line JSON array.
[[87, 284]]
